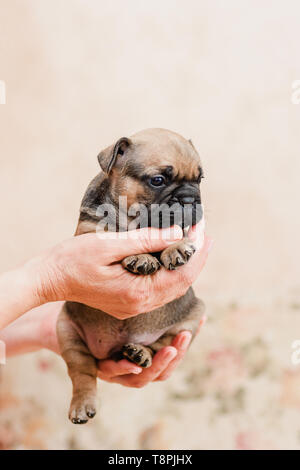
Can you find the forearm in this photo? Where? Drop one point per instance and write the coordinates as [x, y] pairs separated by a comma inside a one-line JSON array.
[[20, 291], [34, 330], [21, 336]]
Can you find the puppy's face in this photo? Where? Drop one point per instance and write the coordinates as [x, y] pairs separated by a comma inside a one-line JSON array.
[[160, 170]]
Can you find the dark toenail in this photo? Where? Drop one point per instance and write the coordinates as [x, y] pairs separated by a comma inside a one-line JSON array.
[[131, 264], [79, 421]]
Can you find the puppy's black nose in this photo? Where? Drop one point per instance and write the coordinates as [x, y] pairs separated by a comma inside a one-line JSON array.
[[187, 199]]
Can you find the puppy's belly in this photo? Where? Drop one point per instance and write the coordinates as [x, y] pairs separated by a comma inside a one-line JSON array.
[[104, 334], [103, 344]]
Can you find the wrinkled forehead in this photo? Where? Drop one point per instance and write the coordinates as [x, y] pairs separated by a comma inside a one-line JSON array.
[[164, 151]]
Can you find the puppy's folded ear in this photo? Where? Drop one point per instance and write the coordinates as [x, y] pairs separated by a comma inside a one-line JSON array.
[[190, 141], [107, 157]]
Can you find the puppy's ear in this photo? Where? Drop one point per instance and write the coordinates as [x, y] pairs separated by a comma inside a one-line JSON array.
[[107, 157]]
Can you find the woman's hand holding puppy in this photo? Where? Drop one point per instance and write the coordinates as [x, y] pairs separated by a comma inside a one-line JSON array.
[[88, 270]]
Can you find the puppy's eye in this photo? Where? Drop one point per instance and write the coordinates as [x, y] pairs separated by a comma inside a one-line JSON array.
[[157, 181]]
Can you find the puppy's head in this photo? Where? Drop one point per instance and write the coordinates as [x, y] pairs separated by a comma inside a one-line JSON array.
[[158, 170]]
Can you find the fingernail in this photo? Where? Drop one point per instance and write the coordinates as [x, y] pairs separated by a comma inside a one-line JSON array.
[[185, 341], [171, 354], [135, 370]]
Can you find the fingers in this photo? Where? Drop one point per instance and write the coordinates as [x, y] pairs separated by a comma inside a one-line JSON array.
[[164, 286], [201, 323], [109, 368], [181, 342], [196, 234], [146, 293], [160, 362], [164, 362], [145, 240]]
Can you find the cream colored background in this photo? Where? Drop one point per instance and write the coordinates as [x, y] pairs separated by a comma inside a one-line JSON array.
[[79, 75]]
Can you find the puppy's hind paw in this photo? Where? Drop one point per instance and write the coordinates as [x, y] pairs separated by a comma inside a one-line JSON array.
[[81, 410], [137, 353]]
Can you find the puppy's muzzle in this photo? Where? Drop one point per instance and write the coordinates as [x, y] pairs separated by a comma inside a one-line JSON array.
[[186, 194], [182, 208]]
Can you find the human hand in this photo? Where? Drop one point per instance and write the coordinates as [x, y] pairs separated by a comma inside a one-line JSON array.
[[87, 269], [164, 363], [37, 330], [125, 372]]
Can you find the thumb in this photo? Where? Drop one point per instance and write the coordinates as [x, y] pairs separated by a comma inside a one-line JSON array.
[[144, 240]]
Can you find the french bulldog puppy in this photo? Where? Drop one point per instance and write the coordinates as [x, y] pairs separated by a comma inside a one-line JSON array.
[[153, 169]]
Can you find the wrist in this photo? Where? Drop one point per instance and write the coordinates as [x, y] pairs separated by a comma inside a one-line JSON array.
[[33, 272], [19, 292], [47, 276], [35, 330]]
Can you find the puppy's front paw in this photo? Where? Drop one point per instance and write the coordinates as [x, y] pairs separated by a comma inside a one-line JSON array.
[[178, 254], [141, 264], [82, 409], [137, 353]]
